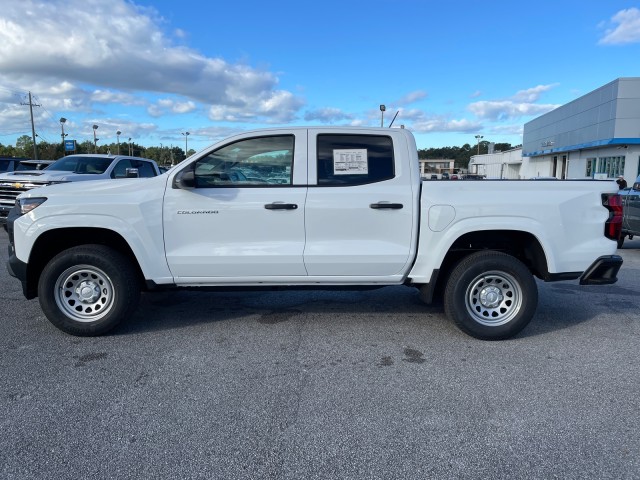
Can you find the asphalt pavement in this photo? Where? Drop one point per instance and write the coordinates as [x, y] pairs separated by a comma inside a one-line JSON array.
[[324, 385]]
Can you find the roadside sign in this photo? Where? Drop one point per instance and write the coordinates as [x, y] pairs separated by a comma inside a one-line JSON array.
[[69, 145]]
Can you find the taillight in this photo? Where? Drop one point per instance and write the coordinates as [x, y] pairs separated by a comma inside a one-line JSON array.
[[613, 225]]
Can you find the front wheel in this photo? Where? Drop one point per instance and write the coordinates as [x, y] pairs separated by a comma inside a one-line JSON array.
[[490, 295], [88, 290]]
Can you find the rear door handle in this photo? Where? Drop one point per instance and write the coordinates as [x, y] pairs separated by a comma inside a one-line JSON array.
[[281, 206], [391, 206]]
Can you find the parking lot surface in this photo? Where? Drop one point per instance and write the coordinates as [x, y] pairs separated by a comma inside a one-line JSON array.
[[319, 385]]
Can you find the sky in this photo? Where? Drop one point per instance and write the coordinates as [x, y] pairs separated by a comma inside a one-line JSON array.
[[449, 70]]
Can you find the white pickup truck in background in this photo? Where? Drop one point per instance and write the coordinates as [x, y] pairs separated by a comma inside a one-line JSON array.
[[311, 207]]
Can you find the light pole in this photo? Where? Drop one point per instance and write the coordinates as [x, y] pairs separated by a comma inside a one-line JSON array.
[[62, 122], [382, 109], [130, 148], [95, 140], [478, 137], [186, 144], [118, 140]]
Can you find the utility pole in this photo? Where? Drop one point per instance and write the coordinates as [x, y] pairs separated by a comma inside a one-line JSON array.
[[33, 128]]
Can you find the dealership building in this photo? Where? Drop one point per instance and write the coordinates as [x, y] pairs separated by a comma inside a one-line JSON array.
[[594, 136]]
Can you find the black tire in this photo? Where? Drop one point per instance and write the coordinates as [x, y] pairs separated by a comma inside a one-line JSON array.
[[621, 240], [88, 290], [490, 295]]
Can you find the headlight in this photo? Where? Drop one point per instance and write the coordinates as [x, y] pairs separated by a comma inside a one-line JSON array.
[[25, 205]]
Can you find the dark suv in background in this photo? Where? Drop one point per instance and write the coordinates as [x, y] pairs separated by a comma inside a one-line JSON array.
[[631, 212], [16, 164]]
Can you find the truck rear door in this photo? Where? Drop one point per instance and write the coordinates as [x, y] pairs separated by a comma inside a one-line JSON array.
[[361, 204]]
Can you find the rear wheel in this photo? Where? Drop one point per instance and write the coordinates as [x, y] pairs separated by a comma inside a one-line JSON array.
[[491, 295], [88, 290]]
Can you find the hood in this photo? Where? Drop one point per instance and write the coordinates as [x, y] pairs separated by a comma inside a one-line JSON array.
[[47, 176], [96, 187]]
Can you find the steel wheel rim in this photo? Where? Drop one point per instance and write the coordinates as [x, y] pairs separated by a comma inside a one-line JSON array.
[[84, 293], [493, 298]]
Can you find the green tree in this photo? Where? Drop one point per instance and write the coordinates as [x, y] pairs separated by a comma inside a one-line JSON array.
[[24, 146], [49, 151], [460, 155], [8, 151]]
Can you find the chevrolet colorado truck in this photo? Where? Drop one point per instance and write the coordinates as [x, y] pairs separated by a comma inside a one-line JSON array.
[[72, 168], [311, 207]]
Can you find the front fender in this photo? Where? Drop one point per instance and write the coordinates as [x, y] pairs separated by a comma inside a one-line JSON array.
[[144, 238]]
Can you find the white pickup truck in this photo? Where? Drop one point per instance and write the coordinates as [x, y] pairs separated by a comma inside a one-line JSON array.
[[311, 207]]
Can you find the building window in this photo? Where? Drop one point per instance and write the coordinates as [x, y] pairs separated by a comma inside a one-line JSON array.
[[591, 167], [612, 166]]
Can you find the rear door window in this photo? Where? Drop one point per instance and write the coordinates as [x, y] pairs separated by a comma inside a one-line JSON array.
[[345, 160]]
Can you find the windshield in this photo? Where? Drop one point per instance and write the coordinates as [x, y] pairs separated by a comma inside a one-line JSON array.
[[32, 165], [83, 165]]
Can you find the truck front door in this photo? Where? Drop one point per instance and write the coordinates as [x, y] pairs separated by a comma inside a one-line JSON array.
[[245, 215]]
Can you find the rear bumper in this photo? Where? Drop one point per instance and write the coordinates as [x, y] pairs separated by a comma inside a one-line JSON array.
[[603, 271]]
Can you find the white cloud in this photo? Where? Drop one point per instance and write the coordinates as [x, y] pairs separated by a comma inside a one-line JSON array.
[[272, 107], [522, 104], [412, 97], [443, 125], [327, 115], [625, 29], [507, 109], [531, 94], [106, 96], [117, 47], [167, 105]]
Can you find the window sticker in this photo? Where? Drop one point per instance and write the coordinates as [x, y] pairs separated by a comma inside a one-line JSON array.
[[350, 162]]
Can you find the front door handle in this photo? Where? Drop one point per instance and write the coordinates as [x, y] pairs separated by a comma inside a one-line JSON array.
[[391, 206], [281, 206]]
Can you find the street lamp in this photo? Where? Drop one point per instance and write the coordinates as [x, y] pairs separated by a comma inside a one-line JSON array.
[[186, 148], [382, 109], [62, 122], [95, 140], [478, 137], [118, 140]]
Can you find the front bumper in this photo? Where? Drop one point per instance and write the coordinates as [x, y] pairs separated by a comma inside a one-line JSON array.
[[603, 271], [16, 267]]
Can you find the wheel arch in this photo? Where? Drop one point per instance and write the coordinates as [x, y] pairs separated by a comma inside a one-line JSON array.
[[52, 242], [523, 245]]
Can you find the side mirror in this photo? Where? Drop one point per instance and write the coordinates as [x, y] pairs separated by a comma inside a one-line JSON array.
[[132, 173], [186, 180]]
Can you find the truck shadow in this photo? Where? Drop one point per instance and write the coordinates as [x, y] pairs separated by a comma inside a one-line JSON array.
[[187, 308], [561, 306], [566, 305]]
